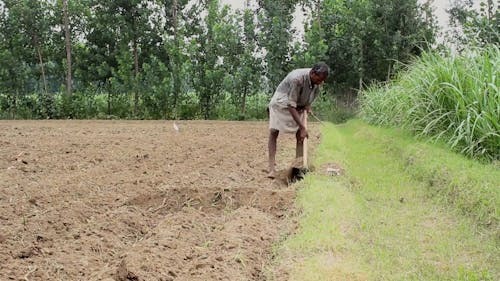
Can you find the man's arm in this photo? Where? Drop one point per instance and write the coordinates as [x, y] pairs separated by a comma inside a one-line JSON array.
[[293, 96], [296, 117]]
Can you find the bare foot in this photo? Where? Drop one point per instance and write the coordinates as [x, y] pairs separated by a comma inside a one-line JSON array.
[[271, 174]]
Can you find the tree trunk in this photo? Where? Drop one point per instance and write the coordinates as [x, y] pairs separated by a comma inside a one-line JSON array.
[[174, 17], [14, 105], [40, 60], [175, 70], [244, 102], [108, 87], [136, 73], [67, 37], [136, 65], [318, 11], [361, 67], [136, 58], [206, 107]]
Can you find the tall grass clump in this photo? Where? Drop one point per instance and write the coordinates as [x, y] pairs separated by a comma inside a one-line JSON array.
[[454, 98]]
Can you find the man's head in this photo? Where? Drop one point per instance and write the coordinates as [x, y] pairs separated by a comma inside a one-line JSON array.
[[319, 73]]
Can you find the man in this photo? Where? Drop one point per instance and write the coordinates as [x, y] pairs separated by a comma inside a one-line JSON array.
[[292, 98]]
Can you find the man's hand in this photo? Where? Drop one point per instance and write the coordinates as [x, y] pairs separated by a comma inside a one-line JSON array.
[[295, 114], [303, 133], [302, 109], [308, 109]]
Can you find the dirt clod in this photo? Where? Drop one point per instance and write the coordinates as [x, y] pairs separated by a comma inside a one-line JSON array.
[[28, 252], [123, 274]]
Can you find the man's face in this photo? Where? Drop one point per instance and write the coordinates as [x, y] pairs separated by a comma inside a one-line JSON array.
[[317, 79]]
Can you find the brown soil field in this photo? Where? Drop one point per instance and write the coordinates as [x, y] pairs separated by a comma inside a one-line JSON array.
[[138, 200]]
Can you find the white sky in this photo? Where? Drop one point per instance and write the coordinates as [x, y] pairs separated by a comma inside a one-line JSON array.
[[239, 4], [440, 7]]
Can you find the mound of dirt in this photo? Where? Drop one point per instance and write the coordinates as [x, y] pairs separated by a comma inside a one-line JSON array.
[[191, 245]]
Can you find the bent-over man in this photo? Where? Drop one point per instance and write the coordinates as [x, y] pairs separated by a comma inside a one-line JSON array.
[[292, 98]]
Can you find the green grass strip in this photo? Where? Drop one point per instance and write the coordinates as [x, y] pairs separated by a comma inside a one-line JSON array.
[[400, 211]]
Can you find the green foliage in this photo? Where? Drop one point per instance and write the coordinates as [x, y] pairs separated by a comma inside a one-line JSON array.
[[157, 91], [86, 105], [453, 98], [150, 56], [189, 107], [315, 47], [256, 106], [276, 36], [362, 40], [243, 74], [326, 108], [208, 70], [479, 28]]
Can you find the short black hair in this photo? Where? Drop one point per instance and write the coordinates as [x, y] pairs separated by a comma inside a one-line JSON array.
[[321, 68]]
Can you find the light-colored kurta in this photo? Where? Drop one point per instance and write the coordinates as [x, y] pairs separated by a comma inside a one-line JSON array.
[[296, 90]]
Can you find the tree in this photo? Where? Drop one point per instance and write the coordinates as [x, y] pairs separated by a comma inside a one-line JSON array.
[[477, 27], [275, 19], [33, 25], [29, 24], [314, 47], [117, 27], [15, 72], [207, 56], [137, 32], [67, 39], [174, 45], [247, 69], [366, 38]]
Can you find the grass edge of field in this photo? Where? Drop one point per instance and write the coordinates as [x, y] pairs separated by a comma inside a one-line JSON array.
[[396, 214]]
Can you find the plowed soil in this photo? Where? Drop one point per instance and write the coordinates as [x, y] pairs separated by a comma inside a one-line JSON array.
[[139, 200]]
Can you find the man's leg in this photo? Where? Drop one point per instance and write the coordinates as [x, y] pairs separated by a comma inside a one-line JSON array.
[[299, 149], [273, 138]]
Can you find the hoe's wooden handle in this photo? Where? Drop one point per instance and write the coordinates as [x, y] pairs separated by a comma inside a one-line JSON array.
[[304, 144]]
